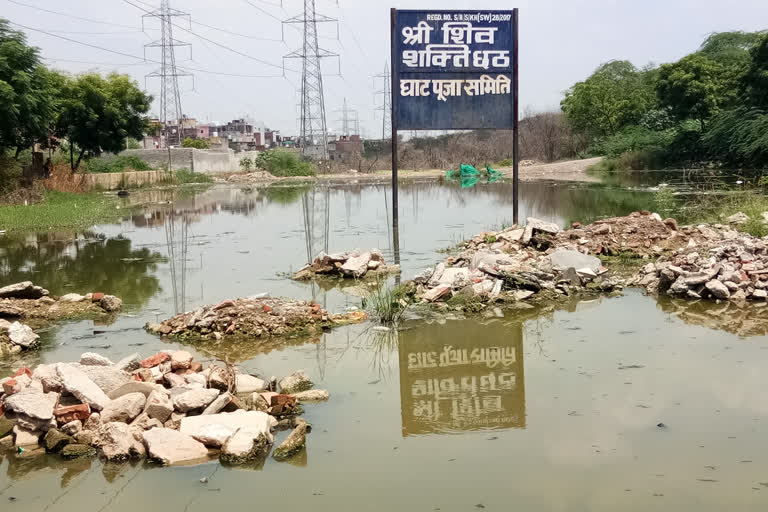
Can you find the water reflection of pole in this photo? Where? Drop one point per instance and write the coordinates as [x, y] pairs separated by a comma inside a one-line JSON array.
[[179, 299], [316, 216]]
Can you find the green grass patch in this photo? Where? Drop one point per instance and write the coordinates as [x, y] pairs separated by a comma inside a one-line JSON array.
[[507, 162], [283, 163], [116, 164], [711, 208], [61, 210], [185, 176]]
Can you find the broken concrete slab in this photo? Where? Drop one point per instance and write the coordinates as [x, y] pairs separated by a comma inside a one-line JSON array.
[[171, 447]]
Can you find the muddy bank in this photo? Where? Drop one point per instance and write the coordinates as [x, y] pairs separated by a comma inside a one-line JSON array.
[[355, 264], [539, 261], [25, 306], [257, 317], [166, 407]]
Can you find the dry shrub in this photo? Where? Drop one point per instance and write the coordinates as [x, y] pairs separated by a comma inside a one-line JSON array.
[[63, 179]]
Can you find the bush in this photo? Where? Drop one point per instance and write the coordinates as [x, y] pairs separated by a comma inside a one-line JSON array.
[[195, 143], [246, 164], [116, 164], [279, 162], [634, 139]]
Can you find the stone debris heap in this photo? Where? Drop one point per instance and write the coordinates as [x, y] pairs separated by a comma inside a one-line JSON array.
[[355, 264], [254, 317], [35, 305], [515, 264], [717, 262], [166, 407]]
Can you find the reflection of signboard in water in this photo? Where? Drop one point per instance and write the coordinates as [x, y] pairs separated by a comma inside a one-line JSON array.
[[461, 376]]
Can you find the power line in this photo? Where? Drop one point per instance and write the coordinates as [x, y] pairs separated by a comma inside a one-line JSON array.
[[213, 42], [90, 20], [142, 59], [386, 105]]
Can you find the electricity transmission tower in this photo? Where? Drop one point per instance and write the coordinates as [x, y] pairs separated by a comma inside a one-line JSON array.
[[386, 104], [313, 129], [170, 98], [350, 122]]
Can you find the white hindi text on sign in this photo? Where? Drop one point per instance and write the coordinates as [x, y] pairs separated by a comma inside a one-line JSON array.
[[445, 88]]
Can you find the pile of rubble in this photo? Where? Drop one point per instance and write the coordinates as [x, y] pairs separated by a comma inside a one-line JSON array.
[[251, 177], [253, 317], [705, 261], [166, 407], [717, 262], [354, 264], [35, 305], [515, 264]]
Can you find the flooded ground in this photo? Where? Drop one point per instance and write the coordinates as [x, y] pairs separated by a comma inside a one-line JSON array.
[[617, 404]]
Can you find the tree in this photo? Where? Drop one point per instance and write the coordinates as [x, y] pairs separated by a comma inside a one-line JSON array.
[[755, 80], [98, 114], [195, 143], [246, 163], [27, 92], [730, 48], [695, 87], [615, 95]]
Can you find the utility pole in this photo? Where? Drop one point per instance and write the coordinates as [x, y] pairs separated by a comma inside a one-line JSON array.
[[350, 122], [313, 129], [386, 104], [170, 97]]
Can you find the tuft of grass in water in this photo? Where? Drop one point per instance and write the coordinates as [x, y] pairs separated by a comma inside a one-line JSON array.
[[185, 176], [61, 210], [717, 208], [387, 304]]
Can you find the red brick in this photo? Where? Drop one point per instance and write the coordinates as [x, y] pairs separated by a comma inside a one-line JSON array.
[[196, 366], [155, 360], [266, 308], [97, 296], [10, 387], [22, 371], [71, 413]]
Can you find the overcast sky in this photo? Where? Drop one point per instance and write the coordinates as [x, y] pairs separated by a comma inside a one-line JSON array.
[[560, 42]]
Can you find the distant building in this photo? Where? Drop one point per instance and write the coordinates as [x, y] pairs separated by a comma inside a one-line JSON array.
[[346, 148]]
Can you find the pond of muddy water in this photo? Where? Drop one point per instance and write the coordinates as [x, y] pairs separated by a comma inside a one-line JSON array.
[[532, 409]]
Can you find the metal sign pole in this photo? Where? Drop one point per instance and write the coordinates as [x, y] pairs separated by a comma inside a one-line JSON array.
[[395, 87], [515, 131]]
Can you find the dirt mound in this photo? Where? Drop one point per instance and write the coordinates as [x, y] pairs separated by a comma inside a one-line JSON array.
[[253, 317], [639, 233]]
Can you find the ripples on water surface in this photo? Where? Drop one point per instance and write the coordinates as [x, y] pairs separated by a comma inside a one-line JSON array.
[[528, 409]]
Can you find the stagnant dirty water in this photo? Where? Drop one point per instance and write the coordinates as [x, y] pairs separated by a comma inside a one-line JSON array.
[[529, 410]]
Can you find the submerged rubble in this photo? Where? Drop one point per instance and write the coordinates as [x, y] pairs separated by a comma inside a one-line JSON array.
[[166, 407], [540, 260], [37, 307], [355, 264], [258, 317]]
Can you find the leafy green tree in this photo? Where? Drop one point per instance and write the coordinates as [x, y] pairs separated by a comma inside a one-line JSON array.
[[99, 113], [695, 87], [755, 80], [614, 96], [195, 143], [27, 92], [730, 48]]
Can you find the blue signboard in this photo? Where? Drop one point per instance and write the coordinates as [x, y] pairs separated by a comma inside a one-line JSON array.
[[454, 70]]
